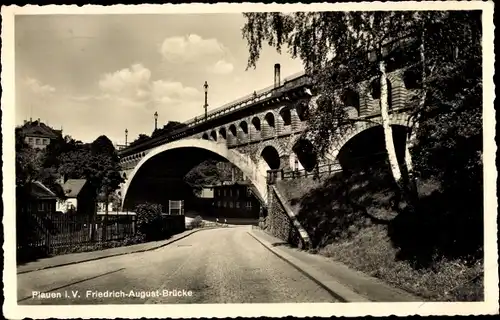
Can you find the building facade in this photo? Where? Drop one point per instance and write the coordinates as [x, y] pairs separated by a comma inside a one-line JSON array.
[[236, 200], [79, 198], [39, 200], [37, 134]]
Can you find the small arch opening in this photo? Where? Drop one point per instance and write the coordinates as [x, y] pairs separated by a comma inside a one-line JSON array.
[[412, 79], [222, 133], [350, 98], [244, 127], [232, 129], [256, 123], [270, 119], [375, 91], [271, 156], [303, 111], [286, 116], [305, 154], [213, 134], [205, 136]]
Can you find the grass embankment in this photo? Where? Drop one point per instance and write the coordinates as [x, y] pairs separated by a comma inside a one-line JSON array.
[[351, 218]]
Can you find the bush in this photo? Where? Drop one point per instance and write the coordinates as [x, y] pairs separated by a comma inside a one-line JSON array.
[[150, 223], [197, 222]]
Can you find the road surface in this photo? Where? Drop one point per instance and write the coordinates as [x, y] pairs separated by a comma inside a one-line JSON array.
[[225, 265]]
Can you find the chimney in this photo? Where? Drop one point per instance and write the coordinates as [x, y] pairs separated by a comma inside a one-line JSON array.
[[38, 121], [277, 81]]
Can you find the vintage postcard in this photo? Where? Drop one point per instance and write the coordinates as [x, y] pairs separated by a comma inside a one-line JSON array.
[[232, 160]]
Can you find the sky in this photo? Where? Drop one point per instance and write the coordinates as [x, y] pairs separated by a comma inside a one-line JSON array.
[[102, 74]]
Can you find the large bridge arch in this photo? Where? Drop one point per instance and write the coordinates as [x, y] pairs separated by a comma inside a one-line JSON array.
[[254, 173], [396, 120]]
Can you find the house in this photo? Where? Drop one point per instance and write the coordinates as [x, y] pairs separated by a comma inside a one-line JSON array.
[[236, 199], [37, 134], [207, 192], [39, 200], [79, 197]]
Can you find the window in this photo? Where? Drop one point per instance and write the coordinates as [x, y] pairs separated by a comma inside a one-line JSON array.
[[237, 192], [230, 192], [30, 140], [237, 204], [224, 192], [218, 204], [224, 204], [230, 204], [37, 141], [249, 205], [249, 193], [41, 206]]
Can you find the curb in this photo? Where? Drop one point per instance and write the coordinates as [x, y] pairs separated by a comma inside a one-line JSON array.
[[113, 255], [334, 288]]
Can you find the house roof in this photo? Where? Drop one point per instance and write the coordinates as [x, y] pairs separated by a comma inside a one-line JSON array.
[[39, 129], [73, 187], [39, 191]]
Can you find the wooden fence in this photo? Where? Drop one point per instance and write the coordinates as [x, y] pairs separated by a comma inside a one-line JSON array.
[[53, 232]]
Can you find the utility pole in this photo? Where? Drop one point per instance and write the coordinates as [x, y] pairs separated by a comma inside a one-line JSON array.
[[206, 101]]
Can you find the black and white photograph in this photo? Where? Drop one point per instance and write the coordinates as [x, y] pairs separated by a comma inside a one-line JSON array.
[[249, 160]]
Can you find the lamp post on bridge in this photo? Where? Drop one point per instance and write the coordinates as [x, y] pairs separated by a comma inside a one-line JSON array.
[[206, 101], [156, 120], [126, 135]]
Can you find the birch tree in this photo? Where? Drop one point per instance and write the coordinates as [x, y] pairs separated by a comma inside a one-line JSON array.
[[336, 48]]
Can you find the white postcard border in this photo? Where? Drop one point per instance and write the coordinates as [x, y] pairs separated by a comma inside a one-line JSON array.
[[12, 310]]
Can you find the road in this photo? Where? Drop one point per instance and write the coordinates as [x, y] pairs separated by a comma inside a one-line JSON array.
[[225, 265]]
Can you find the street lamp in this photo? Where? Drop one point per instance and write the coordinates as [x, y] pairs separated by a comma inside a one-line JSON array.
[[126, 134], [156, 120], [206, 102]]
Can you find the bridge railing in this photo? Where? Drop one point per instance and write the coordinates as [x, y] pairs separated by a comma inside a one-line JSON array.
[[282, 174], [246, 100], [288, 83]]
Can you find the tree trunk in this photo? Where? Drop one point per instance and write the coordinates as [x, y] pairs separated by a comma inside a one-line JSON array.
[[384, 112], [414, 126], [105, 227]]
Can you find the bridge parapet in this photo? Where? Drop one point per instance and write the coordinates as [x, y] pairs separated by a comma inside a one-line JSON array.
[[274, 113]]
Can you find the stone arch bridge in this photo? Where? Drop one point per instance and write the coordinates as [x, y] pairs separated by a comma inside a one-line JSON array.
[[256, 133]]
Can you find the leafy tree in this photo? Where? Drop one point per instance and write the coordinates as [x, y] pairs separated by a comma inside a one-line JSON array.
[[28, 162], [440, 55], [102, 145], [209, 172], [149, 221], [169, 127], [98, 163], [141, 138], [341, 49]]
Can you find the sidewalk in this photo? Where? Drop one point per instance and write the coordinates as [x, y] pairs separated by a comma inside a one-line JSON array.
[[73, 258], [348, 284]]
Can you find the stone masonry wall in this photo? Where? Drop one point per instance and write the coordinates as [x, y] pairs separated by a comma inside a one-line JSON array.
[[278, 222]]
